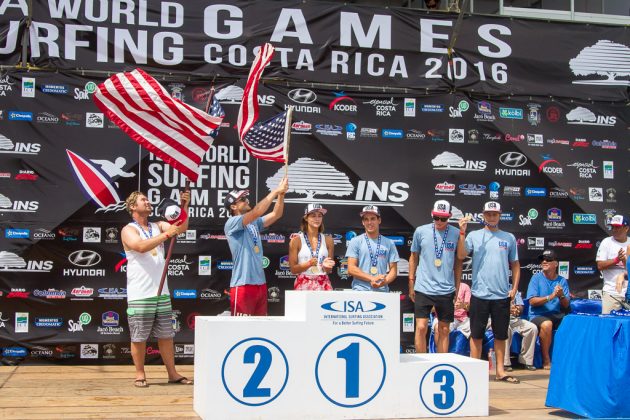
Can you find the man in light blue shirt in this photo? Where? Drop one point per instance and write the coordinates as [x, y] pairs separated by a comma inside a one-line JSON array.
[[372, 258], [548, 295], [434, 275], [494, 253], [248, 287]]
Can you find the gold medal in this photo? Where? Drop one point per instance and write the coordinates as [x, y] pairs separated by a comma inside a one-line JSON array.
[[154, 252], [373, 270], [256, 249], [437, 262], [312, 270]]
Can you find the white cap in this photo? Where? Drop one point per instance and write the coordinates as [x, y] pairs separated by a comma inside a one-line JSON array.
[[492, 206], [313, 207], [618, 220], [370, 210], [441, 208]]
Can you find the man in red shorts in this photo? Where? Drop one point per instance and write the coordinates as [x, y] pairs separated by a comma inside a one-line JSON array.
[[248, 287]]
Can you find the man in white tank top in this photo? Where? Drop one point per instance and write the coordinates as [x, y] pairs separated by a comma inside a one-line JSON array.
[[149, 315]]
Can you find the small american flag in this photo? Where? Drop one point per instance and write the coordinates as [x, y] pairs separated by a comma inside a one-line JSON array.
[[266, 140], [177, 133], [216, 110], [263, 140]]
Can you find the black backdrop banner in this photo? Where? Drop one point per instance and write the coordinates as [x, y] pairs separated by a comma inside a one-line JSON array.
[[331, 43], [557, 165]]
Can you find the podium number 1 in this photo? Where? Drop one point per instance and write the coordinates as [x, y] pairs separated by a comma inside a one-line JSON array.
[[351, 355], [252, 387]]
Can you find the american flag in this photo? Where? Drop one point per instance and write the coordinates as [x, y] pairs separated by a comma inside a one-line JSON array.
[[177, 133], [264, 140]]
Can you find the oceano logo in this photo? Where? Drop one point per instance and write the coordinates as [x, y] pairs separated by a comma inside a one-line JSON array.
[[352, 306]]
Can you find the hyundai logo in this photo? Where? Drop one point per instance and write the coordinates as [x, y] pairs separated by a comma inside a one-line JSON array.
[[513, 159], [84, 258], [302, 96]]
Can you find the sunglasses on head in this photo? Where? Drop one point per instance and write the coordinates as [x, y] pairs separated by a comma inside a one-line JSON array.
[[441, 219]]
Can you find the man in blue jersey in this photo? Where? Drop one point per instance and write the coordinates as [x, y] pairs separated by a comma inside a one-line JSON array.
[[248, 287], [494, 253], [548, 295], [434, 275], [372, 258]]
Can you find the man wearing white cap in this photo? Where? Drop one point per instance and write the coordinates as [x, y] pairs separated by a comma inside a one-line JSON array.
[[611, 261], [494, 253], [372, 258], [434, 275], [248, 287]]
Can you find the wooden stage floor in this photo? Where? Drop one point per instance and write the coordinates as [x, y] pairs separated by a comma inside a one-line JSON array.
[[107, 392]]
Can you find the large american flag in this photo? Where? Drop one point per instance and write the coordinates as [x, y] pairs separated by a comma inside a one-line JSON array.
[[263, 140], [177, 133]]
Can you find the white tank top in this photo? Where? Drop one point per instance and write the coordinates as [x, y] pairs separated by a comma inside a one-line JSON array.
[[305, 255], [144, 270]]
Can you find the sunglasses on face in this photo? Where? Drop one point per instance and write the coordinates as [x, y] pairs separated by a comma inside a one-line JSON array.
[[244, 200], [441, 219], [547, 260]]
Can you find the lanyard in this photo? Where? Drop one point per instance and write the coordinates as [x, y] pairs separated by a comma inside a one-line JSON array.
[[373, 257], [308, 243], [439, 252], [146, 235]]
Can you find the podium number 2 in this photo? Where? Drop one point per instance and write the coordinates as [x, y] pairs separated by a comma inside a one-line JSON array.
[[351, 355], [252, 387], [255, 371]]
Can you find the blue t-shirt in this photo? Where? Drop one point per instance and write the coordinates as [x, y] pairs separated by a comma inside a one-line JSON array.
[[432, 280], [492, 253], [387, 253], [248, 265], [541, 286]]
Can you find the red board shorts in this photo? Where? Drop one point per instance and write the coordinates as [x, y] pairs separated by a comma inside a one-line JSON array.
[[250, 299]]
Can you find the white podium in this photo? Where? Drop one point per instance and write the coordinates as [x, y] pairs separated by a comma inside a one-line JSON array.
[[333, 355]]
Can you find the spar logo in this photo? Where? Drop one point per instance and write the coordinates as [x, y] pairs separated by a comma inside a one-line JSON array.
[[18, 148], [14, 263], [605, 58], [84, 94], [313, 179], [584, 116], [550, 166], [343, 103], [97, 180]]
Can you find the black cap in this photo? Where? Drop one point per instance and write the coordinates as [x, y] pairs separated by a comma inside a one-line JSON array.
[[548, 254], [233, 196], [165, 204]]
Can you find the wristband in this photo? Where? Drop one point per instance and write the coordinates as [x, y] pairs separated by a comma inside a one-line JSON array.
[[166, 234], [547, 298], [462, 232], [616, 260]]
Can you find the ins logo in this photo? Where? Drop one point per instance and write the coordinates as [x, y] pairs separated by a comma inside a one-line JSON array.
[[313, 178], [353, 306]]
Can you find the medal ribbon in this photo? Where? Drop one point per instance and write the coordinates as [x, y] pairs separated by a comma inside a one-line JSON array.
[[308, 243], [438, 253], [145, 234], [254, 234], [373, 257]]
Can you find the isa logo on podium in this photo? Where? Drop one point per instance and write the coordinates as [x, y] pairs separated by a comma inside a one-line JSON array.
[[333, 355]]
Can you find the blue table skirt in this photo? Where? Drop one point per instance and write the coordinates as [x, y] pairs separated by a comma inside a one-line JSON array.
[[590, 373]]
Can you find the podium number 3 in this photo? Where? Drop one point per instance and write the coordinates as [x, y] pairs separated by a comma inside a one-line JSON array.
[[351, 355], [446, 397], [252, 387]]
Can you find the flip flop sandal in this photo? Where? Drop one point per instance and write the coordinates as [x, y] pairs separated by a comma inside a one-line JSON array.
[[181, 381], [508, 378], [140, 383]]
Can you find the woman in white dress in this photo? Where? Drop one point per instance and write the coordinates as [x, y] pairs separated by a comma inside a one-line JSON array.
[[311, 252]]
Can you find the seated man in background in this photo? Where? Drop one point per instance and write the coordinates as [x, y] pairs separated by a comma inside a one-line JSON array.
[[526, 329], [461, 322], [548, 300]]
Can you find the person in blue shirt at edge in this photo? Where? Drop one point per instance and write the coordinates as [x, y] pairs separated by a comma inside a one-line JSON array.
[[372, 258], [548, 295], [494, 253], [434, 276], [248, 287]]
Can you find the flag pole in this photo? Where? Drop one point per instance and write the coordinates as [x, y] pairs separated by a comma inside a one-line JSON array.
[[287, 139], [187, 189]]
